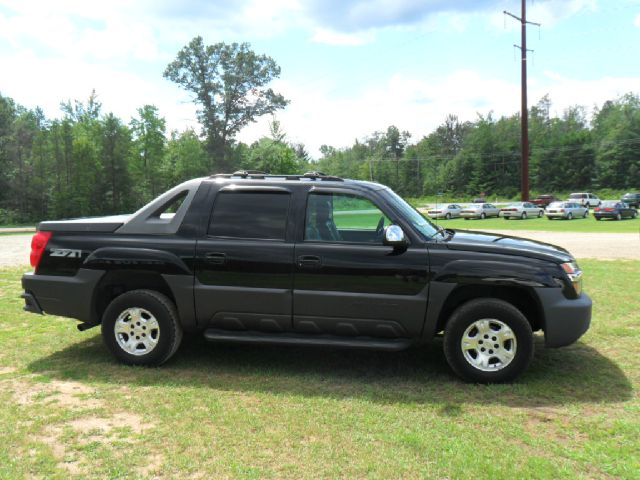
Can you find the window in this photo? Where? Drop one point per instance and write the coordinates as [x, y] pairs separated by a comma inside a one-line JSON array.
[[169, 208], [260, 215], [335, 217]]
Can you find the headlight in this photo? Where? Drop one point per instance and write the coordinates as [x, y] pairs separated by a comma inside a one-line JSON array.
[[575, 275]]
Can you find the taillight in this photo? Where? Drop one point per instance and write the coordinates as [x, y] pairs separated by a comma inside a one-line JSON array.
[[597, 209], [561, 210], [608, 209], [38, 244]]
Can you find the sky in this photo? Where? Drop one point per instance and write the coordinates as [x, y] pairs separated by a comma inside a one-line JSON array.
[[349, 67]]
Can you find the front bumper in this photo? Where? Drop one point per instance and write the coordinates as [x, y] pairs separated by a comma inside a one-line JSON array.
[[556, 214], [565, 320], [59, 295]]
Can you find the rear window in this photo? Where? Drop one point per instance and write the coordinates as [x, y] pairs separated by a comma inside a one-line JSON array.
[[260, 215], [610, 204]]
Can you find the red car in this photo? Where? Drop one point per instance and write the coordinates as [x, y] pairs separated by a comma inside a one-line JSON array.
[[544, 200]]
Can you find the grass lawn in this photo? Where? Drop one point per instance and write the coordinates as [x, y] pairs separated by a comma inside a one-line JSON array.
[[67, 409], [586, 225]]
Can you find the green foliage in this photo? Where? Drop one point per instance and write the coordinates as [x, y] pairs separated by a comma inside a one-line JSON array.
[[229, 84]]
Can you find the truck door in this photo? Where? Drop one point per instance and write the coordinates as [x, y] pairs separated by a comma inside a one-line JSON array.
[[346, 281], [244, 265]]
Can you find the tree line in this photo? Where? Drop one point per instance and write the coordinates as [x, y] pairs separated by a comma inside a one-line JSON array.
[[568, 153], [90, 162]]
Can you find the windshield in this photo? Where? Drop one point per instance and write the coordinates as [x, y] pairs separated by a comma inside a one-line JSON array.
[[410, 214], [609, 203], [557, 204]]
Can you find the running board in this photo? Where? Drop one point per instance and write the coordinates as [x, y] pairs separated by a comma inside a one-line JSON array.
[[299, 339]]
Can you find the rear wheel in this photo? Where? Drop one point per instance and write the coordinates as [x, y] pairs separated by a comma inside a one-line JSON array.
[[482, 216], [618, 217], [540, 213], [141, 327], [488, 341], [586, 214]]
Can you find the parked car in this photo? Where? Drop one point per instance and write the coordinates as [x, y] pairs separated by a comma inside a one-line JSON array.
[[521, 210], [479, 210], [544, 200], [304, 260], [586, 199], [615, 210], [566, 210], [631, 199], [446, 211]]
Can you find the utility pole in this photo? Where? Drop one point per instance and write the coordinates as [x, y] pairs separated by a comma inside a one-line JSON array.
[[524, 115]]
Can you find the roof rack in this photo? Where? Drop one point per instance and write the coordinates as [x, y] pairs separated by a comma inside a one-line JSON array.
[[258, 175]]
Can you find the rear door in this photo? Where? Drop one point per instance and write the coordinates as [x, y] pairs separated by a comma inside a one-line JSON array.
[[346, 281], [244, 265]]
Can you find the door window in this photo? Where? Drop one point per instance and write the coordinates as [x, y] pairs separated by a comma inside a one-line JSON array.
[[261, 215], [336, 217]]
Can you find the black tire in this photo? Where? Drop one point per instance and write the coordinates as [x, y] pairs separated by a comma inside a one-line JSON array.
[[618, 217], [163, 310], [506, 218], [634, 215], [598, 218], [488, 308], [523, 216], [482, 216], [540, 213], [586, 214], [549, 218], [570, 216], [448, 216]]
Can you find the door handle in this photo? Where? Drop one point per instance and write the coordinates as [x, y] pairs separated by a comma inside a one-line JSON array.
[[215, 258], [309, 261]]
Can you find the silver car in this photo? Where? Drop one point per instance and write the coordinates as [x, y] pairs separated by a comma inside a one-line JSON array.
[[568, 210], [445, 211], [521, 210], [479, 210]]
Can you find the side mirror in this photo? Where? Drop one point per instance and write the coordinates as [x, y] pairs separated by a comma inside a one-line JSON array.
[[394, 237]]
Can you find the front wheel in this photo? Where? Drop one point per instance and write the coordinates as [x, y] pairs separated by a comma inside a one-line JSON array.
[[141, 327], [482, 216], [570, 216], [586, 214], [488, 341], [448, 216], [523, 216]]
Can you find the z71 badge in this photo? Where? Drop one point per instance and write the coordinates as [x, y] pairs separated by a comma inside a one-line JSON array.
[[65, 252]]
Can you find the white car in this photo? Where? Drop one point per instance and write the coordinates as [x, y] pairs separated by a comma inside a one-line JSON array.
[[479, 210], [568, 210], [445, 211], [585, 199], [521, 210]]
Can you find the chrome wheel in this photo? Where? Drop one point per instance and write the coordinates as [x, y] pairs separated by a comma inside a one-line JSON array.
[[137, 331], [489, 345]]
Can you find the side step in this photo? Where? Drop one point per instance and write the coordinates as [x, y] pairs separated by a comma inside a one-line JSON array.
[[299, 339]]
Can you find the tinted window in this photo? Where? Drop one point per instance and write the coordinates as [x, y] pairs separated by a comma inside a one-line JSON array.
[[330, 217], [250, 215]]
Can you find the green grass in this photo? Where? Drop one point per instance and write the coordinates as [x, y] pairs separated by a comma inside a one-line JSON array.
[[543, 224], [67, 408]]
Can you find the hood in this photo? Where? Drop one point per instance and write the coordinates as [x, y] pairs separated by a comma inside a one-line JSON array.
[[506, 245]]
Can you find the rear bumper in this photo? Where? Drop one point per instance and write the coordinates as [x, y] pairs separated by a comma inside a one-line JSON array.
[[63, 296], [566, 320]]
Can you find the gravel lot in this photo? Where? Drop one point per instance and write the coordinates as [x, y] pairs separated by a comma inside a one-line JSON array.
[[14, 249]]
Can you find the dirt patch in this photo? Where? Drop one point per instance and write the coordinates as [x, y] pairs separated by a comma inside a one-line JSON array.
[[7, 370], [68, 394]]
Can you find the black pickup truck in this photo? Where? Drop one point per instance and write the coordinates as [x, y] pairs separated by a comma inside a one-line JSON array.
[[304, 260]]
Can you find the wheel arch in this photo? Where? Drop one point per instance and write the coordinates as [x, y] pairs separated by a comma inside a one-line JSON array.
[[523, 298]]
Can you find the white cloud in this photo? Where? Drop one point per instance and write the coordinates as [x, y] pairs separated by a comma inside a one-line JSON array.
[[636, 22], [419, 106]]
